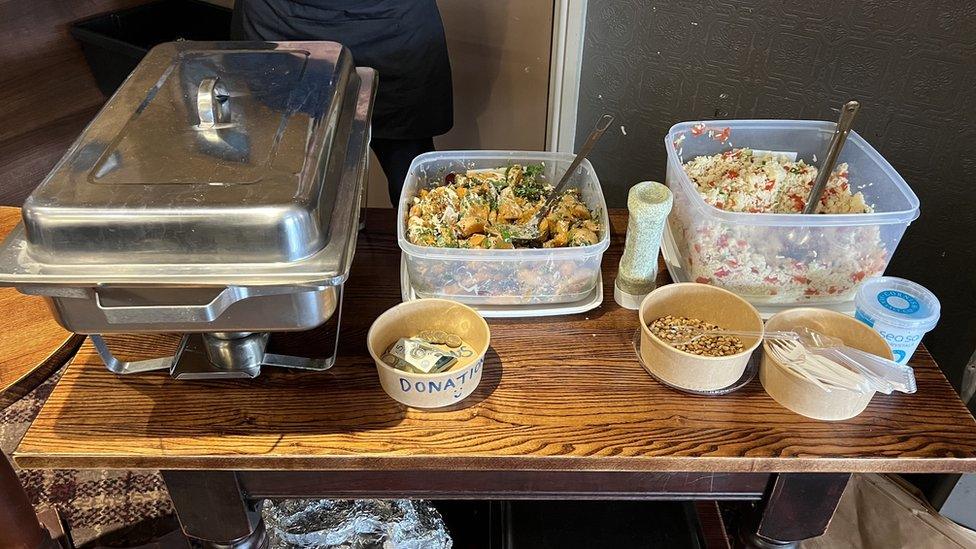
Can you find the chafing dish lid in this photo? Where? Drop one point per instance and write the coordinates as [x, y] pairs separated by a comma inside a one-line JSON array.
[[209, 152], [150, 194]]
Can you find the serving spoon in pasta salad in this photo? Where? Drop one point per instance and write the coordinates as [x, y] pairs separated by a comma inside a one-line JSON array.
[[528, 234]]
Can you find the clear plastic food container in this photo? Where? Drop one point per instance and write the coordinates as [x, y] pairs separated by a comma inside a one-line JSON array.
[[782, 260], [503, 277]]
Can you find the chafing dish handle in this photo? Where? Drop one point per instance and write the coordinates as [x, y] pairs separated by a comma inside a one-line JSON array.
[[167, 314], [210, 94]]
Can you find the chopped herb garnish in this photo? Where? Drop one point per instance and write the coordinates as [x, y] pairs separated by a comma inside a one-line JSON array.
[[533, 171], [531, 192]]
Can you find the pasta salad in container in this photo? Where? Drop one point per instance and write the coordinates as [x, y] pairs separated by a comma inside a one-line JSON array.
[[458, 207]]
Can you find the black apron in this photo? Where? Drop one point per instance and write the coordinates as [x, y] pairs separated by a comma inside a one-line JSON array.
[[402, 39]]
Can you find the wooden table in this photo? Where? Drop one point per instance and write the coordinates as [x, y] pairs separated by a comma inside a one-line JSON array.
[[564, 410], [32, 344]]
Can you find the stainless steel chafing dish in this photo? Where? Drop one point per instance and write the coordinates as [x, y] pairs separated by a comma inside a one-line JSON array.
[[218, 194]]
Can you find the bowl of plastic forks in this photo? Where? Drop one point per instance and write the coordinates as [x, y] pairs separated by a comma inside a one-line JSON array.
[[824, 378]]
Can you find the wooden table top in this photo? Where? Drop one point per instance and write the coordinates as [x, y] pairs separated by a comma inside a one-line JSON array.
[[559, 393], [32, 345]]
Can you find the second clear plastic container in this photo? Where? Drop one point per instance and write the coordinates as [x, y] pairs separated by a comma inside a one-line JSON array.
[[502, 277], [782, 260]]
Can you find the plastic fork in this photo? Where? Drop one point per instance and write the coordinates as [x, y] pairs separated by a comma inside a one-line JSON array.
[[811, 366], [884, 375], [784, 358]]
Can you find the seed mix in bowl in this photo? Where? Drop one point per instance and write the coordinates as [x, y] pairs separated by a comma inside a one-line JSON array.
[[670, 328]]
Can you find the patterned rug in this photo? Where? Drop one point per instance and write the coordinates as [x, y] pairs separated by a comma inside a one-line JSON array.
[[115, 507]]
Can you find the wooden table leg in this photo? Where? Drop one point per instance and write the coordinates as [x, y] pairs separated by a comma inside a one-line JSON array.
[[797, 506], [19, 526], [214, 511]]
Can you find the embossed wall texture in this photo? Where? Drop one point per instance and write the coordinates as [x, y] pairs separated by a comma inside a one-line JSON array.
[[911, 64]]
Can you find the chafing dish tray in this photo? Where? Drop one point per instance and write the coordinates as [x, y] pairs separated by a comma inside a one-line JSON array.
[[217, 193]]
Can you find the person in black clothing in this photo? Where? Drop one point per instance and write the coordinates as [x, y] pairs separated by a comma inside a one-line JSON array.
[[402, 39]]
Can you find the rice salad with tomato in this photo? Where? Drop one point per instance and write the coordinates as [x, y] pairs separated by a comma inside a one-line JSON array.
[[825, 263], [741, 181]]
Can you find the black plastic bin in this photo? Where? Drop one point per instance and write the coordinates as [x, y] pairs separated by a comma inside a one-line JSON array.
[[115, 42]]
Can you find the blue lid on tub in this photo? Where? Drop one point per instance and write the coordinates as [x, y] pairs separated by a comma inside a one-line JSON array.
[[898, 302]]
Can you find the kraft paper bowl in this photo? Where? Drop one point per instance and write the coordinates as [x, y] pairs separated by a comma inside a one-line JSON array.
[[407, 320], [707, 303], [803, 397]]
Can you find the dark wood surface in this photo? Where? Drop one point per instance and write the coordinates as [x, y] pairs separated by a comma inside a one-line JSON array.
[[800, 506], [505, 485], [47, 93], [32, 345], [213, 510], [563, 393], [711, 525]]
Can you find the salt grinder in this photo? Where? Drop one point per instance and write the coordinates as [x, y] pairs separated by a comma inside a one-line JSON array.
[[649, 204]]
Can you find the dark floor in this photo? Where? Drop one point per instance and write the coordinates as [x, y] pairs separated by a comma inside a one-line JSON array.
[[95, 503]]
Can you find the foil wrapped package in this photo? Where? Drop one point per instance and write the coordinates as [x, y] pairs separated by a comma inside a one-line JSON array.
[[354, 524], [417, 355]]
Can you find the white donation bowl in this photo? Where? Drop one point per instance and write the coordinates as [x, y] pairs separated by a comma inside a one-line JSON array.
[[407, 320]]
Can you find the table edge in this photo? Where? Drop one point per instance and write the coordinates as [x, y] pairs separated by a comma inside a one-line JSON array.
[[702, 464], [59, 357]]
